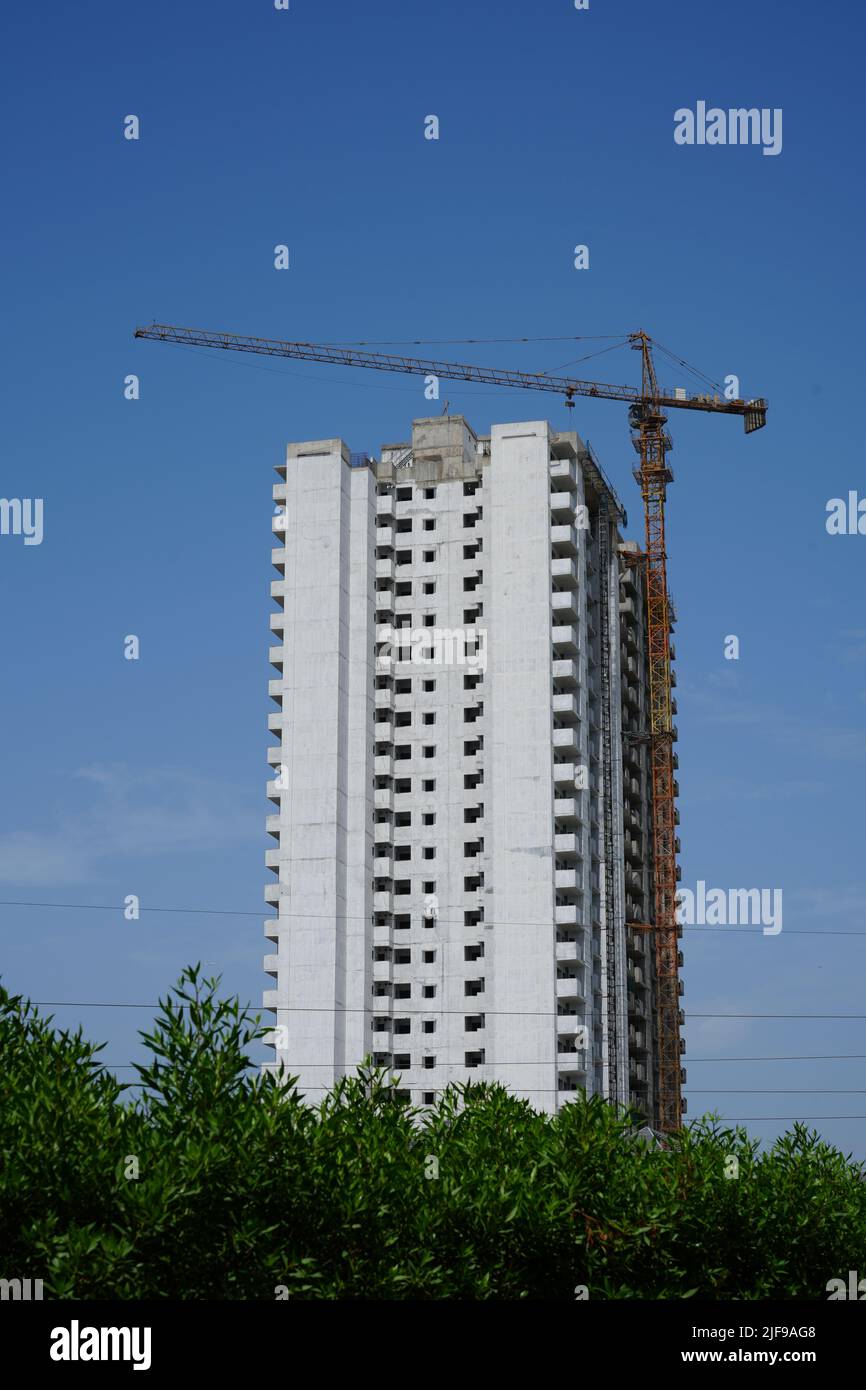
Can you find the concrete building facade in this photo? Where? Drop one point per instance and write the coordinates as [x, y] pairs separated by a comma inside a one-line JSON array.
[[461, 821]]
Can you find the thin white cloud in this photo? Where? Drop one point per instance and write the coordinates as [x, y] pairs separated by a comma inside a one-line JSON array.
[[853, 646], [719, 703], [734, 788], [123, 813], [848, 902]]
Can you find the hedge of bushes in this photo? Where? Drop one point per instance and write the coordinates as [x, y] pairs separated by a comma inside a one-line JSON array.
[[210, 1181]]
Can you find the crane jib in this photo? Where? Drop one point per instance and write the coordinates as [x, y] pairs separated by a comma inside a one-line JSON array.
[[754, 412]]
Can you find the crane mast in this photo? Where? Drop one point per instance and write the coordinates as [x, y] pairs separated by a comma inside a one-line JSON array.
[[647, 419], [652, 443]]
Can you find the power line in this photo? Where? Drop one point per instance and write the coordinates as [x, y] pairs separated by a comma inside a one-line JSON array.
[[696, 1090], [363, 917], [692, 1061], [801, 1016], [554, 1090], [806, 1057], [121, 907], [412, 1013]]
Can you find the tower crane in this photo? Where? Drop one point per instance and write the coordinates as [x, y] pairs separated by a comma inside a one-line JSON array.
[[648, 407]]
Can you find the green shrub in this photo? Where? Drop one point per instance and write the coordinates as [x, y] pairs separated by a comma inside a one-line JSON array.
[[242, 1187]]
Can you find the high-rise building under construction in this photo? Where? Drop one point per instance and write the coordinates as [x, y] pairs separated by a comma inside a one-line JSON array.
[[461, 786]]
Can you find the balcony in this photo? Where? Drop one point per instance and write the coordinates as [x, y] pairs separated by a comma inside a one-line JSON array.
[[569, 987], [564, 774], [383, 765], [383, 799], [385, 537], [635, 975], [563, 573], [385, 568], [275, 656], [565, 640], [564, 673], [565, 808], [568, 951], [566, 847], [385, 505], [565, 740], [383, 902], [566, 916], [383, 866], [568, 1025], [566, 707], [384, 605], [566, 880], [564, 538], [563, 604], [562, 507], [570, 1063], [563, 473]]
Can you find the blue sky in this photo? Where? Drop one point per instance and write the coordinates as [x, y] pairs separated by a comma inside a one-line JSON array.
[[305, 127]]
